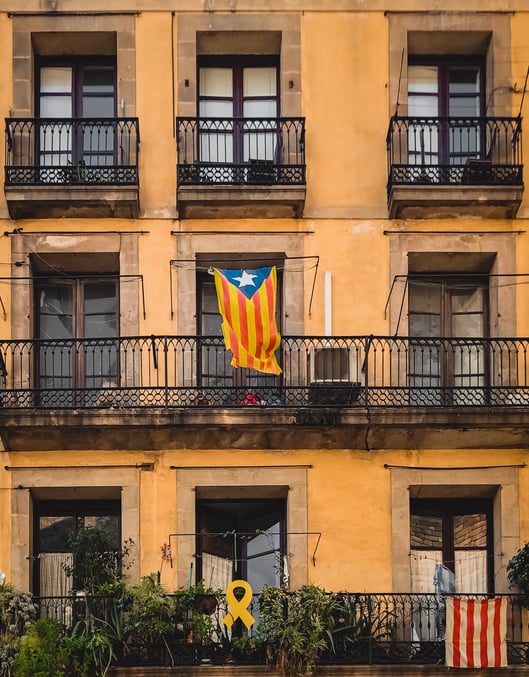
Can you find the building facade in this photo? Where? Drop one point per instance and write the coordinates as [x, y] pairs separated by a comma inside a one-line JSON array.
[[373, 154]]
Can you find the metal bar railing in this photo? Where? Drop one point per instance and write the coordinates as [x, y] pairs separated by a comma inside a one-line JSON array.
[[364, 628], [71, 151], [454, 150], [177, 371], [241, 151]]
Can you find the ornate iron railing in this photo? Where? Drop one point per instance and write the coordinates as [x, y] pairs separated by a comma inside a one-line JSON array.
[[455, 151], [366, 628], [179, 371], [72, 151], [241, 151]]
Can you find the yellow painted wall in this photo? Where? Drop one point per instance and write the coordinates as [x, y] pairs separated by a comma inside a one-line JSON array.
[[345, 101]]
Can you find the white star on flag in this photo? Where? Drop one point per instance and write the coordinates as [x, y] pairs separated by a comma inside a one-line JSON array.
[[246, 279]]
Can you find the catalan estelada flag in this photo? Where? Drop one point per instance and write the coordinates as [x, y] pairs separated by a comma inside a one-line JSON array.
[[247, 303], [476, 632]]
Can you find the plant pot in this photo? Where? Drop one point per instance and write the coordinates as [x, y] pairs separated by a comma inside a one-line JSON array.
[[205, 604]]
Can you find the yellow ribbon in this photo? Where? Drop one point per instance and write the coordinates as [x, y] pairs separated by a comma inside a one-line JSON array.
[[238, 608]]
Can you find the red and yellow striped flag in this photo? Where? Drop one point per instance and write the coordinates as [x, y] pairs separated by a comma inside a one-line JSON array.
[[476, 633], [247, 303]]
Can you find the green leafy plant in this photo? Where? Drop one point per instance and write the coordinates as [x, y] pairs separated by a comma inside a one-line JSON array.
[[96, 562], [46, 651], [150, 617], [355, 623], [8, 652], [518, 572], [17, 611], [295, 625]]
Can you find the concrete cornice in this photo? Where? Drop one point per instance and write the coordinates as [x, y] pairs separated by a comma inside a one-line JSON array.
[[259, 6]]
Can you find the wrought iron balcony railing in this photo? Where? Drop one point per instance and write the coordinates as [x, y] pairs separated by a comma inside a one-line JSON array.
[[71, 151], [179, 371], [241, 151], [366, 628], [455, 151]]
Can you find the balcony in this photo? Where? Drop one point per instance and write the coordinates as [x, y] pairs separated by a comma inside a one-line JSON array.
[[401, 630], [242, 167], [86, 168], [335, 373], [387, 392], [446, 166]]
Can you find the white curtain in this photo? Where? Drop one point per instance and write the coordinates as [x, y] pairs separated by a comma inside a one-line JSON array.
[[55, 583], [471, 571], [217, 572], [53, 579]]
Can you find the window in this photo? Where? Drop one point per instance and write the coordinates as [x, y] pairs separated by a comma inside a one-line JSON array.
[[84, 89], [76, 308], [55, 522], [215, 369], [456, 534], [238, 106], [241, 539], [446, 96], [454, 309]]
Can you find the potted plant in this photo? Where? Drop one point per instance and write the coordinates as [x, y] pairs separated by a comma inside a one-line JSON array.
[[150, 624], [295, 624]]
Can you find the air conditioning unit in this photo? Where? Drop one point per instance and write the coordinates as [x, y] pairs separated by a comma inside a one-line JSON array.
[[333, 376]]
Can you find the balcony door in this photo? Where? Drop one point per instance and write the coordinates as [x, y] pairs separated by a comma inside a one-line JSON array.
[[446, 97], [230, 385], [447, 361], [451, 545], [76, 91], [55, 523], [241, 539], [238, 103], [77, 319]]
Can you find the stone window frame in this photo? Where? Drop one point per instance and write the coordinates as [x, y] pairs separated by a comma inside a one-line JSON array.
[[501, 484], [193, 246], [124, 246], [70, 483], [236, 34], [95, 29], [500, 245], [259, 482], [451, 33]]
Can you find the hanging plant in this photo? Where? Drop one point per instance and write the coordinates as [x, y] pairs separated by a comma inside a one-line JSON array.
[[518, 572]]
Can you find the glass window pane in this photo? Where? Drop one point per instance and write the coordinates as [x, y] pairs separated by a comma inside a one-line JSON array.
[[264, 108], [100, 297], [98, 107], [425, 325], [424, 298], [463, 80], [216, 109], [109, 524], [467, 300], [259, 81], [467, 325], [426, 531], [422, 79], [216, 82], [56, 106], [54, 533], [55, 80], [423, 106], [470, 531], [465, 107], [100, 326], [98, 79]]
